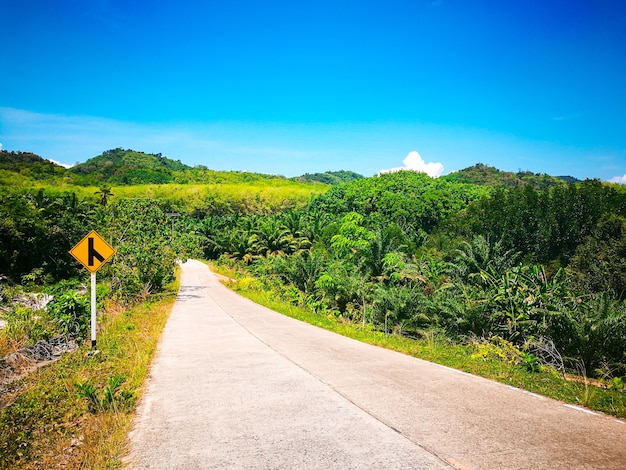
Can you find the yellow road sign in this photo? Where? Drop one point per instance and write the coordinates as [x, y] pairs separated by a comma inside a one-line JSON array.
[[92, 251]]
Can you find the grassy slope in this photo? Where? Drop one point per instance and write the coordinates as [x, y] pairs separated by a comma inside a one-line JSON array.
[[49, 424]]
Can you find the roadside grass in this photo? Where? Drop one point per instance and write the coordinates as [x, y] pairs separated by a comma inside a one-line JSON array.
[[77, 411], [435, 347]]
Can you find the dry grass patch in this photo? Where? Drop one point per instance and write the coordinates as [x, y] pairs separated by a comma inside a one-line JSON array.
[[76, 412]]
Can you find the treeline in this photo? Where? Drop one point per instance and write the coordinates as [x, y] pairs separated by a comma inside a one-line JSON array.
[[330, 177], [406, 253], [38, 227], [490, 176], [129, 167], [37, 230]]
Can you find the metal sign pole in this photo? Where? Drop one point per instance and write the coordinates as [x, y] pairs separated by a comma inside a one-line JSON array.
[[172, 215], [93, 310], [92, 252]]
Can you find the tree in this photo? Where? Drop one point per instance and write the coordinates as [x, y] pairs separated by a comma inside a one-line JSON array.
[[353, 242], [599, 264], [272, 238], [104, 194], [145, 258]]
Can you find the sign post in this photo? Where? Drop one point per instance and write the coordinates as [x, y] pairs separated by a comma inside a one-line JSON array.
[[172, 215], [92, 252]]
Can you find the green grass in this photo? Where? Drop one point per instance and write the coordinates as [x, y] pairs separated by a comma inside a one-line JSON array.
[[51, 425], [436, 348]]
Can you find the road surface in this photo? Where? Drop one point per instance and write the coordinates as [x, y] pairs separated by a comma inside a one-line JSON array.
[[235, 385]]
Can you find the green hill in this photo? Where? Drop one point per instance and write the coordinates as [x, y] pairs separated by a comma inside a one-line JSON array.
[[484, 175], [119, 166], [330, 177], [27, 168], [129, 167], [122, 167]]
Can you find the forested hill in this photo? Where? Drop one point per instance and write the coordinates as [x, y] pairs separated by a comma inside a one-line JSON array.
[[130, 167], [28, 165], [118, 167], [484, 175], [119, 158], [329, 177]]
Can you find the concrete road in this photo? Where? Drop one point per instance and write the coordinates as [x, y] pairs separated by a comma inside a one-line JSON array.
[[235, 385]]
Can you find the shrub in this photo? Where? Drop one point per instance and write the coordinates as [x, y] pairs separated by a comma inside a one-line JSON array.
[[71, 312]]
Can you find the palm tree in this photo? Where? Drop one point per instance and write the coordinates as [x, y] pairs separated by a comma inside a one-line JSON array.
[[239, 246], [479, 254], [76, 207], [272, 238], [213, 236], [104, 193], [385, 241]]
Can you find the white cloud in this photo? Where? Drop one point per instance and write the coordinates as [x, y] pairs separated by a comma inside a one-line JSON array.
[[66, 165], [414, 162], [0, 146], [618, 179]]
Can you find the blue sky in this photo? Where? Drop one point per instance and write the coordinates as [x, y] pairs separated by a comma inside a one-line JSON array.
[[295, 87]]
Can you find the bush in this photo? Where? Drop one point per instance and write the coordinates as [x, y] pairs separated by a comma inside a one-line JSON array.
[[71, 312]]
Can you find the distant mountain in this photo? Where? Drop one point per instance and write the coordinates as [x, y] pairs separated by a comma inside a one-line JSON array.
[[20, 167], [129, 167], [119, 166], [329, 177], [484, 175], [21, 159]]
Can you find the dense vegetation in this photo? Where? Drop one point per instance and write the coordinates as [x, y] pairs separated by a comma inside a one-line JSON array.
[[543, 270], [330, 177], [118, 167], [489, 176], [536, 261], [51, 208]]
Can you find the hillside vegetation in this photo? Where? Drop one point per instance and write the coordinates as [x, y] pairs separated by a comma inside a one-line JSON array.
[[518, 277], [490, 176], [117, 167], [330, 177]]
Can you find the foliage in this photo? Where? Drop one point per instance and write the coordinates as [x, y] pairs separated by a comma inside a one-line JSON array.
[[37, 229], [71, 312], [113, 397], [599, 263], [31, 167], [119, 166], [24, 326], [546, 225], [146, 254], [412, 200], [406, 253], [490, 176], [330, 177], [528, 258]]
